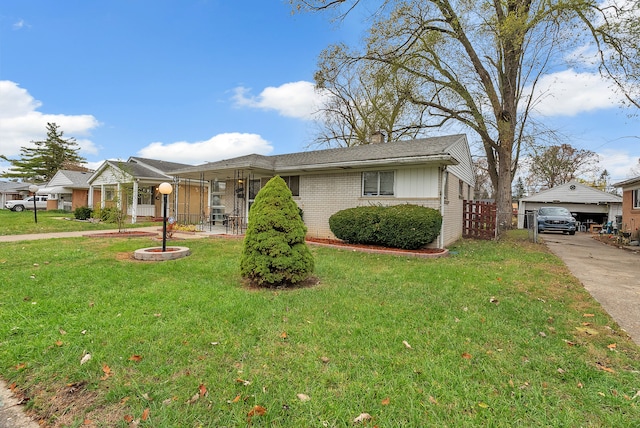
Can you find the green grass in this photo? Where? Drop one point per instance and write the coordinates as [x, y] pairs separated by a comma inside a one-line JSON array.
[[19, 223], [497, 336]]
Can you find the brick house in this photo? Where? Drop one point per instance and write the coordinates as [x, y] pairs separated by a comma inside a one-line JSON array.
[[630, 205], [432, 172], [67, 190]]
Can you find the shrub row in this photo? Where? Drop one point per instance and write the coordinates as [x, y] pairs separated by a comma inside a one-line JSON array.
[[400, 226]]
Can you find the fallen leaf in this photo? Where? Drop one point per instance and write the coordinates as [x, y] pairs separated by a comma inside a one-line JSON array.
[[166, 402], [235, 400], [303, 397], [483, 405], [59, 343], [128, 418], [193, 399], [85, 358], [385, 402], [244, 382], [432, 400], [494, 301], [283, 335], [588, 315], [203, 390], [466, 355], [21, 366], [87, 422], [561, 370], [612, 346], [406, 344], [136, 358], [147, 397], [605, 368], [362, 417], [107, 372], [145, 414], [256, 411], [324, 360], [62, 332]]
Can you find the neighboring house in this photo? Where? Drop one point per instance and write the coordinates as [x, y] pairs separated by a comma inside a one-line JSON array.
[[10, 190], [432, 172], [117, 182], [630, 204], [587, 204], [67, 190]]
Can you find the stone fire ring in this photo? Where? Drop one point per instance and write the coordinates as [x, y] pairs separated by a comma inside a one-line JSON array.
[[155, 254]]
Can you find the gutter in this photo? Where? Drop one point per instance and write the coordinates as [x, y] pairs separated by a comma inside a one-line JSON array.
[[442, 189]]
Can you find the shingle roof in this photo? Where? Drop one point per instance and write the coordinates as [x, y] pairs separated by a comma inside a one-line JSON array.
[[418, 150], [629, 182]]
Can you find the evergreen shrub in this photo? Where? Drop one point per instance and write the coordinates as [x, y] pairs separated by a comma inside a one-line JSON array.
[[400, 226], [82, 213], [274, 251]]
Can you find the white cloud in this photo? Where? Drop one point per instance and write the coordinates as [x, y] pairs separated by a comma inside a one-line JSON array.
[[299, 100], [20, 24], [21, 122], [618, 163], [568, 93], [221, 146]]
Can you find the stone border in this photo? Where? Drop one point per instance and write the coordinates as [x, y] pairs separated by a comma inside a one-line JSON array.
[[155, 254]]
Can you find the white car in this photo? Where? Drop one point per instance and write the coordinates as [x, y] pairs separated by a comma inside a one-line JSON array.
[[27, 204]]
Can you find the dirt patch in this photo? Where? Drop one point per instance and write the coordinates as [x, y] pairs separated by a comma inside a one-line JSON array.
[[420, 252]]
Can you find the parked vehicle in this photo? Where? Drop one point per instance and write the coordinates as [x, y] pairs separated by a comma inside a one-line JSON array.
[[556, 219], [27, 203]]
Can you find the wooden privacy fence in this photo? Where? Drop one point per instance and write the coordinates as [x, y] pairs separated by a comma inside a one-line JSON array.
[[479, 220]]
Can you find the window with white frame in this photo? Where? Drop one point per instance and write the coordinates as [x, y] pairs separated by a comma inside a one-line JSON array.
[[378, 183], [145, 195], [635, 198], [293, 182]]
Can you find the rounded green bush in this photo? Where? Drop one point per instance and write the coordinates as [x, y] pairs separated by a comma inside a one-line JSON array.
[[82, 213], [275, 252], [400, 226]]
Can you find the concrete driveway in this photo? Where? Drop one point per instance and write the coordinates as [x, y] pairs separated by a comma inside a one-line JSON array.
[[610, 274]]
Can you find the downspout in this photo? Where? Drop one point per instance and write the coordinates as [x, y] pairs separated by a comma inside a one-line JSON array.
[[442, 189]]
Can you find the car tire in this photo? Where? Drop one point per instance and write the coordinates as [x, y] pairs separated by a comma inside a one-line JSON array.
[[18, 208], [572, 233]]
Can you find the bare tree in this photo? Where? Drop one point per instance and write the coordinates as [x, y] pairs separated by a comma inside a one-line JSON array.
[[555, 165], [364, 100], [478, 63]]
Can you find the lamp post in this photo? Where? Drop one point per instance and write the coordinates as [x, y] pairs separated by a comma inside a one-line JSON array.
[[33, 188], [165, 189]]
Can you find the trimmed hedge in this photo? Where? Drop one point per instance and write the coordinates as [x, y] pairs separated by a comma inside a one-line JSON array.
[[399, 226], [82, 213]]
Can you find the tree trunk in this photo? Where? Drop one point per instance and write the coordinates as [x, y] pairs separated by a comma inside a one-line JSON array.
[[503, 190]]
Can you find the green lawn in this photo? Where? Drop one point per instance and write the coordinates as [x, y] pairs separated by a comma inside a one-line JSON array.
[[14, 223], [499, 334]]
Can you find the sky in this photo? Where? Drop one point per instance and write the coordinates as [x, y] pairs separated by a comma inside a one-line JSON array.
[[203, 80]]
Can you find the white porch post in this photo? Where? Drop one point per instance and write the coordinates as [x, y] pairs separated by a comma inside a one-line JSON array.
[[102, 195], [134, 202], [90, 197]]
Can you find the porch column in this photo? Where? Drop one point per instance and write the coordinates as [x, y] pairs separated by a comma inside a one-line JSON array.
[[90, 197], [134, 202], [102, 195]]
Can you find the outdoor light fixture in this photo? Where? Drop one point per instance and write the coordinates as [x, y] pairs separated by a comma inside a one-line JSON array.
[[33, 188], [165, 189]]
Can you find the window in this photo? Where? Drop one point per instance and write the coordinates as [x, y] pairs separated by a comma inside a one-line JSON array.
[[293, 182], [377, 183], [109, 193], [145, 195], [635, 198]]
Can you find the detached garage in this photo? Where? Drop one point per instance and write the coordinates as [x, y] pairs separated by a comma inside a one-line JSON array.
[[588, 205]]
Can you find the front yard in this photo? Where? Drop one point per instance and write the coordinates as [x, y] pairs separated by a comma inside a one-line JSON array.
[[497, 334]]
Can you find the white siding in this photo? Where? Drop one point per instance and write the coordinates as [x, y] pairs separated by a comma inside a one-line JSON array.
[[417, 183], [464, 170], [109, 176]]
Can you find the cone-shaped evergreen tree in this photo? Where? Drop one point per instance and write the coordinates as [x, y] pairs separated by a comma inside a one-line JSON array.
[[275, 252]]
